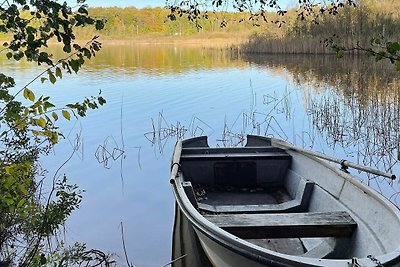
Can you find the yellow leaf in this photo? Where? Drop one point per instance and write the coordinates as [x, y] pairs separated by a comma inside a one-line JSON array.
[[66, 114], [54, 138], [28, 94], [20, 125], [41, 122]]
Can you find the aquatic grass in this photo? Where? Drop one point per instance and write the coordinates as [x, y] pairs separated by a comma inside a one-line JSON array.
[[367, 131]]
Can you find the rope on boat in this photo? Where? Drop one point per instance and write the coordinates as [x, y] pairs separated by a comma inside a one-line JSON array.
[[344, 163]]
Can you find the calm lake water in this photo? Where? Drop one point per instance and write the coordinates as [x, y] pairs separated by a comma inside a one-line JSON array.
[[348, 108]]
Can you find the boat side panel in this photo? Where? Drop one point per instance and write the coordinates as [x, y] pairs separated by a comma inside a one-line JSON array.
[[211, 171], [222, 257], [363, 242], [383, 222], [186, 249], [314, 171]]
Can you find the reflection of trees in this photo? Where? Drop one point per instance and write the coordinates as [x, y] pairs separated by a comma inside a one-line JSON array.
[[354, 76], [162, 58], [138, 59], [355, 102], [373, 129]]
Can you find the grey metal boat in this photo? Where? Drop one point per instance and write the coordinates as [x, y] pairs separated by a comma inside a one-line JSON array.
[[270, 204]]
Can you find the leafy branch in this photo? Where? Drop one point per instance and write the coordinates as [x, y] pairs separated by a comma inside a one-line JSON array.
[[379, 49], [31, 220]]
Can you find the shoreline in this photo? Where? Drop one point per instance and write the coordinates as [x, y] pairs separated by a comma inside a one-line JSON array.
[[207, 41]]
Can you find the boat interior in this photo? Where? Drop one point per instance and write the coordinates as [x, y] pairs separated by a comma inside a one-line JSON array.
[[252, 193]]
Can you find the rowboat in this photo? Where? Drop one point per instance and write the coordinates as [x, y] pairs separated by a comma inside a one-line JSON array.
[[271, 204]]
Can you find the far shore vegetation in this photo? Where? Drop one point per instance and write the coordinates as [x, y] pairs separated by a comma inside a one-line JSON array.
[[352, 26]]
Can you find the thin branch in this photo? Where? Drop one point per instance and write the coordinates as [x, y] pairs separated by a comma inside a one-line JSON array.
[[175, 260]]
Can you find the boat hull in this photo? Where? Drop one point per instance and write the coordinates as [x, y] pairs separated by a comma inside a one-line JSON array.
[[340, 190]]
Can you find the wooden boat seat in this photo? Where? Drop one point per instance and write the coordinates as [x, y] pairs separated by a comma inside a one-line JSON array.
[[207, 153], [286, 225], [298, 204]]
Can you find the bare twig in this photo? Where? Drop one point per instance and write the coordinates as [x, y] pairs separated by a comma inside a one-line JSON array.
[[175, 260]]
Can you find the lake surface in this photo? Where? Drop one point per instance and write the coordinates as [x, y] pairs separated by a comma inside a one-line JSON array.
[[348, 108]]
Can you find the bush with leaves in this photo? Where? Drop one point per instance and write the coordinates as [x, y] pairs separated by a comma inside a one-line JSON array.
[[29, 219]]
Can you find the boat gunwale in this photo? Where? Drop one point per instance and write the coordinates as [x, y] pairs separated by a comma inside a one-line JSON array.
[[263, 255]]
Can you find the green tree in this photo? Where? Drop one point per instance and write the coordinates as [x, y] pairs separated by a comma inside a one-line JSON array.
[[30, 219]]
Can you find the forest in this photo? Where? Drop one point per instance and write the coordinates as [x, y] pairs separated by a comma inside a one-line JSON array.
[[371, 22], [371, 18], [133, 23]]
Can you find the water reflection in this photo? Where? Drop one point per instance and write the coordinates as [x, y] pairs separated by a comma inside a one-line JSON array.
[[153, 59], [354, 102]]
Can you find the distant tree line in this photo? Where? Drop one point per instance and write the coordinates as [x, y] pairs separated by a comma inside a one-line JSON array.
[[369, 23], [130, 22]]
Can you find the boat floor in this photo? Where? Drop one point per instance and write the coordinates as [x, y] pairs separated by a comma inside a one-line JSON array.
[[244, 196], [254, 196], [233, 196]]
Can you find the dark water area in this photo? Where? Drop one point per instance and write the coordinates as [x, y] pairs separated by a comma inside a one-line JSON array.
[[347, 108]]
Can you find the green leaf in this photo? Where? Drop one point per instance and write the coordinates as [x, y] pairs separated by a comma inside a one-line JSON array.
[[86, 53], [340, 53], [83, 10], [99, 25], [66, 114], [55, 116], [67, 48], [21, 203], [47, 105], [393, 47], [43, 79], [54, 138], [20, 125], [28, 94], [22, 189], [52, 78], [8, 201], [397, 63], [74, 65], [58, 73], [102, 101]]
